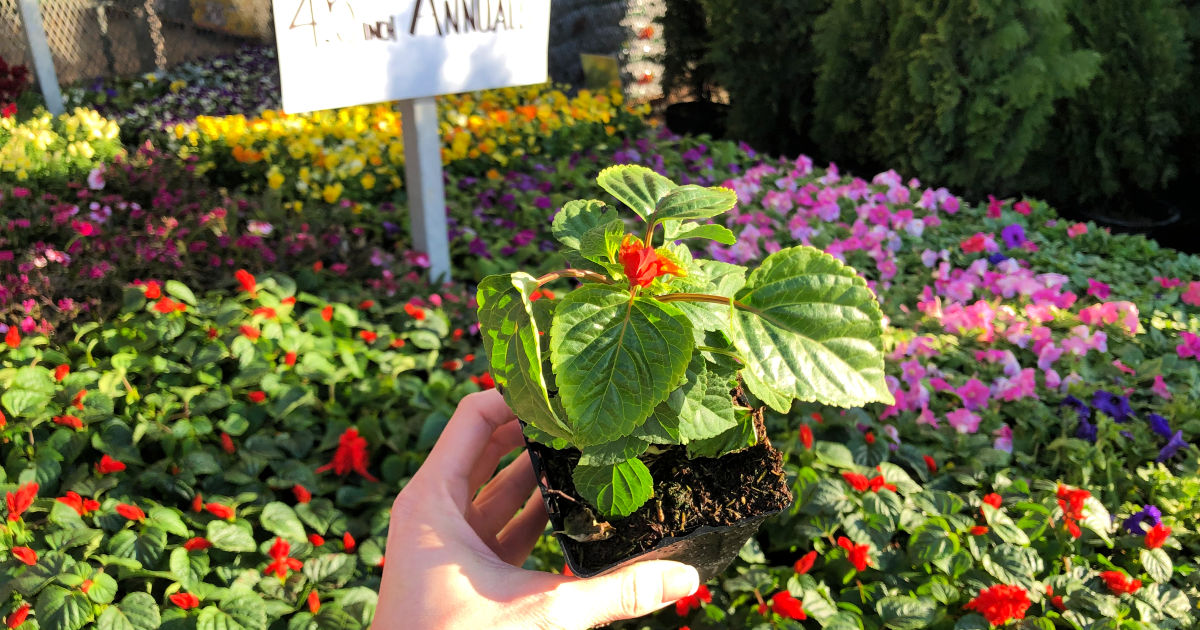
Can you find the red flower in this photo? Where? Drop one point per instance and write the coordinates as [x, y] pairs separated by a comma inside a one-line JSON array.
[[198, 502], [327, 313], [930, 463], [227, 443], [1071, 502], [806, 436], [76, 402], [288, 301], [348, 542], [368, 336], [869, 437], [220, 511], [3, 420], [61, 372], [247, 280], [979, 530], [366, 304], [257, 396], [397, 343], [857, 480], [1120, 583], [314, 602], [1157, 536], [642, 264], [167, 305], [264, 311], [26, 555], [974, 244], [414, 312], [302, 493], [878, 483], [18, 616], [1000, 603], [199, 543], [289, 359], [186, 601], [452, 365], [212, 333], [81, 505], [280, 562], [13, 338], [785, 605], [1057, 600], [695, 601], [109, 465], [351, 455], [857, 554], [318, 266], [485, 381], [250, 332], [131, 512], [316, 540], [993, 500], [19, 502], [68, 421], [152, 291], [805, 562]]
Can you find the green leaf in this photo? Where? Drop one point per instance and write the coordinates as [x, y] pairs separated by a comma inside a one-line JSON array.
[[576, 218], [1004, 527], [246, 608], [662, 427], [703, 404], [30, 392], [1097, 519], [62, 609], [179, 291], [103, 589], [230, 537], [600, 243], [833, 454], [694, 202], [767, 394], [213, 618], [711, 278], [613, 452], [635, 186], [318, 514], [617, 490], [907, 613], [335, 569], [1158, 564], [930, 544], [810, 329], [738, 437], [711, 231], [615, 358], [511, 339], [187, 567], [1013, 565], [169, 520], [279, 519]]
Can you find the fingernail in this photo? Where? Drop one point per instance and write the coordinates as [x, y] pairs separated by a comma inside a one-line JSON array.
[[679, 581]]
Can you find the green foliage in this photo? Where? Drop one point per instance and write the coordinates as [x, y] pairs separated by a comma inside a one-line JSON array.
[[685, 35]]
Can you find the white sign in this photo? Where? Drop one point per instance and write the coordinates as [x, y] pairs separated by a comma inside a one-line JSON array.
[[336, 53]]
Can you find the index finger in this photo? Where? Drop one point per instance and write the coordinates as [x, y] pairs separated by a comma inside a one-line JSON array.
[[465, 438]]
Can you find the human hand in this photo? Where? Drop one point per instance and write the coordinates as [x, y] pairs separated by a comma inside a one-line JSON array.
[[453, 560]]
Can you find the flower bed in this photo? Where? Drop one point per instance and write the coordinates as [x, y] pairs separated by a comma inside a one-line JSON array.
[[1040, 368], [51, 149]]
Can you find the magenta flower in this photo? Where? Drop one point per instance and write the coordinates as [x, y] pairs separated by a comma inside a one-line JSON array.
[[1160, 387], [1192, 295], [963, 421], [974, 394], [1097, 289]]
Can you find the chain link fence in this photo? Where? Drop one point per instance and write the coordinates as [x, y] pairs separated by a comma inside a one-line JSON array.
[[95, 39]]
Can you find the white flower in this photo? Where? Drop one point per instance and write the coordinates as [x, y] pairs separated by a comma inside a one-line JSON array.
[[95, 179]]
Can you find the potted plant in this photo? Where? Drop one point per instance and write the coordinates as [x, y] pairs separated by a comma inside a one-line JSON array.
[[634, 387]]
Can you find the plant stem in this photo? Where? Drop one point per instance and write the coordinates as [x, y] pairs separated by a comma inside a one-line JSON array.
[[701, 297], [723, 351], [572, 273]]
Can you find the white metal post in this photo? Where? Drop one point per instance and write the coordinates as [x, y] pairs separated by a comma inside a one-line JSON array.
[[423, 181], [43, 63]]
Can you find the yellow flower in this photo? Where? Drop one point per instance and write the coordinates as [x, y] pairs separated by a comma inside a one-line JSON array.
[[274, 178], [368, 181], [331, 192]]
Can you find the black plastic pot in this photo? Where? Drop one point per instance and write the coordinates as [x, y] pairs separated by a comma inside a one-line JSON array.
[[709, 549]]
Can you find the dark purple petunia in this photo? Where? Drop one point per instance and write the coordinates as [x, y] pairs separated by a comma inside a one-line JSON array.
[[1086, 431], [1159, 425], [1150, 516], [1013, 236], [479, 248], [997, 258], [1081, 408], [1116, 407], [1176, 444]]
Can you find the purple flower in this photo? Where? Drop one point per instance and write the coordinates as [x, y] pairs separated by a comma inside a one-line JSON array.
[[1176, 444], [1159, 425], [1150, 515], [1086, 430], [1013, 235], [479, 248], [1117, 407], [1081, 408], [997, 258]]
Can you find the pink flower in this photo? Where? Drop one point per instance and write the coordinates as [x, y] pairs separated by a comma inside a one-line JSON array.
[[1097, 289], [1190, 346], [1077, 229], [1160, 387], [994, 207], [963, 421], [974, 394], [1022, 207], [1003, 440], [95, 179], [1192, 295], [1168, 283]]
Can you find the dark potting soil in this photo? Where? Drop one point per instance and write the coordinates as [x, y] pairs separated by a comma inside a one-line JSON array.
[[688, 494]]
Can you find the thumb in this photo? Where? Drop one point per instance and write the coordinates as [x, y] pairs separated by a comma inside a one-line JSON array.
[[633, 591]]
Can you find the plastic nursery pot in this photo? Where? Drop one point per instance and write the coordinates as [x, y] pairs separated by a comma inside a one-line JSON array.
[[709, 549]]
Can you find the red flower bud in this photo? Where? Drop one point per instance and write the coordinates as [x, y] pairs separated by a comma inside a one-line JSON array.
[[18, 616], [26, 555], [199, 543], [220, 511], [257, 396], [186, 601], [302, 493], [806, 437], [316, 540], [314, 602], [349, 542], [327, 313], [109, 465], [930, 463], [993, 500], [805, 562], [61, 372], [131, 512], [289, 359], [247, 280]]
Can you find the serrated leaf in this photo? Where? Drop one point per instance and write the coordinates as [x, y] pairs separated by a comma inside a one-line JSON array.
[[62, 609], [616, 490], [179, 291], [833, 454], [600, 243], [318, 514], [576, 218], [246, 608], [1097, 519], [694, 202], [907, 613], [140, 611], [103, 589], [187, 567], [740, 436], [169, 520], [1157, 564], [615, 358], [511, 340], [229, 537], [279, 519], [213, 618], [680, 231], [613, 452], [332, 568], [1004, 527], [931, 544], [635, 186], [810, 329], [1013, 565], [662, 427]]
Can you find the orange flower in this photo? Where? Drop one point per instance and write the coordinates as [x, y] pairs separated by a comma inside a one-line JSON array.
[[220, 511], [247, 280], [314, 602], [152, 291], [13, 338], [61, 372], [131, 512], [81, 505], [414, 311], [250, 332], [185, 601], [76, 402], [19, 502], [68, 421], [25, 554], [1157, 536], [18, 616], [264, 311], [109, 465], [167, 305]]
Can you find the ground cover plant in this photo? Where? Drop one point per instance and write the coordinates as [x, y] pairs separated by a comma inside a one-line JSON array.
[[221, 446]]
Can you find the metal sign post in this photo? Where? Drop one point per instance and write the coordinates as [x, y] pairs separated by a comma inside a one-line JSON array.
[[43, 63], [423, 181]]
